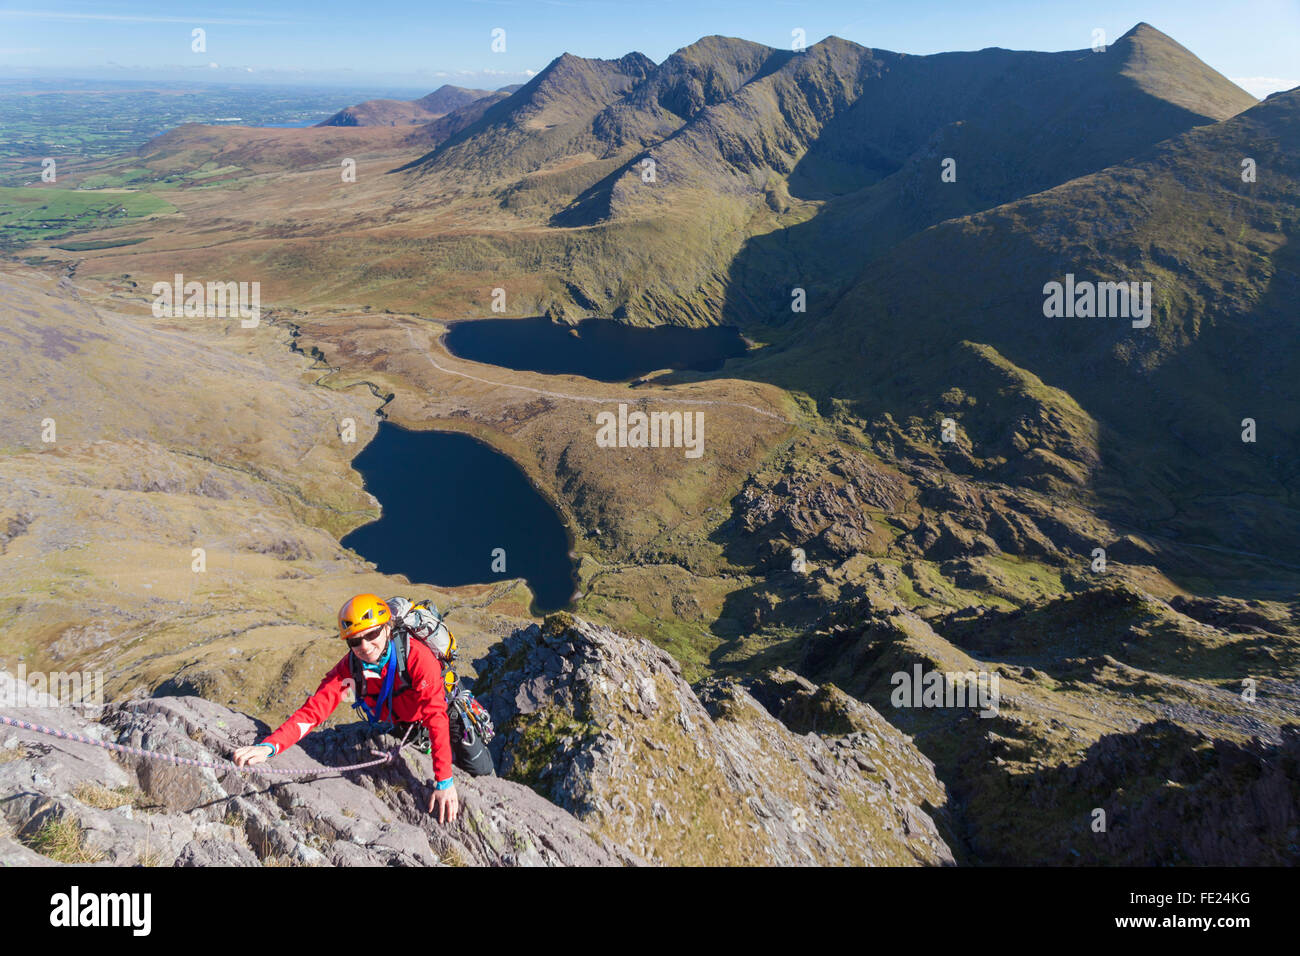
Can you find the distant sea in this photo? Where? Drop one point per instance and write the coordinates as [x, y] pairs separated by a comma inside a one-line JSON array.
[[90, 119]]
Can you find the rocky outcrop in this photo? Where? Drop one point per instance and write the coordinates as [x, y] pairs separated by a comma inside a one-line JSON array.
[[605, 726], [1242, 616], [76, 803], [823, 508], [1161, 795], [846, 503], [1092, 755]]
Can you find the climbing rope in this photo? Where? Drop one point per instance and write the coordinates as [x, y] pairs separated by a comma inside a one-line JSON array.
[[190, 762]]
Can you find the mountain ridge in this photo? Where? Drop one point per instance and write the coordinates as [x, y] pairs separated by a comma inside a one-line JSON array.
[[388, 112]]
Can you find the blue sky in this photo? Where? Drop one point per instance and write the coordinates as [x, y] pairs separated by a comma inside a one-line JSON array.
[[424, 44]]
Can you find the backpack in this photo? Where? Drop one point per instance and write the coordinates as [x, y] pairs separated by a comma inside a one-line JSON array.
[[423, 622]]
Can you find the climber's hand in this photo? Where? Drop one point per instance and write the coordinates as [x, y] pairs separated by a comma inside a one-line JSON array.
[[445, 803], [248, 756]]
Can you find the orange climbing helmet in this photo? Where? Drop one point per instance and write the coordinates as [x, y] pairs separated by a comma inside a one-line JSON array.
[[362, 613]]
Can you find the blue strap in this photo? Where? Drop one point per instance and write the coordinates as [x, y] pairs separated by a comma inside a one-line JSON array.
[[385, 693]]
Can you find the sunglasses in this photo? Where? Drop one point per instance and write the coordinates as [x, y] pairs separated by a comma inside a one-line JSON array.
[[355, 642]]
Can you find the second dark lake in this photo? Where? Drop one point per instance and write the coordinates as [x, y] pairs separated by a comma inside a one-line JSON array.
[[602, 349], [449, 503]]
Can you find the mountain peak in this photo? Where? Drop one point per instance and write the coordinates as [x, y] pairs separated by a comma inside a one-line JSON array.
[[1142, 29], [557, 105], [1163, 67], [715, 45], [448, 97], [445, 99], [567, 65]]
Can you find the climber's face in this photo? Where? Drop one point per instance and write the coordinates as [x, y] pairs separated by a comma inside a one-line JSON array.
[[370, 647]]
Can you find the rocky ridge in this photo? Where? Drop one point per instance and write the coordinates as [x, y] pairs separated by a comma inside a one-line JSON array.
[[771, 795], [604, 726], [82, 804]]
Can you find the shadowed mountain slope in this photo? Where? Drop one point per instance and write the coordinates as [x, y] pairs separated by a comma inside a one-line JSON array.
[[856, 138], [1151, 419], [448, 125], [746, 141]]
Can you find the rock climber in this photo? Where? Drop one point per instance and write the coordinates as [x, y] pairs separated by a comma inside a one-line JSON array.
[[365, 623]]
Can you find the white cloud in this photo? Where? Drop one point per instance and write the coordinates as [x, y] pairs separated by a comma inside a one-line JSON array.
[[1260, 86]]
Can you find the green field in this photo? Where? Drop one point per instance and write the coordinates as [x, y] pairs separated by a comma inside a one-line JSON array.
[[35, 213], [115, 180]]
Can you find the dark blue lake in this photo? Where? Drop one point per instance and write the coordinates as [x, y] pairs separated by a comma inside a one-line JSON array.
[[448, 502], [596, 348]]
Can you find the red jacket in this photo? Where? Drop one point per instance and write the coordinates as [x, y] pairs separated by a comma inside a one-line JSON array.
[[423, 702]]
